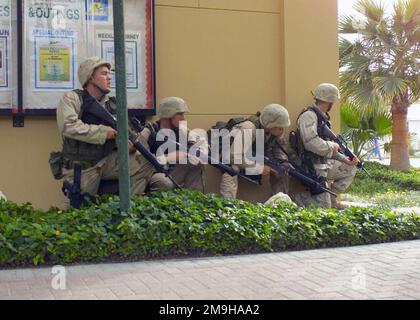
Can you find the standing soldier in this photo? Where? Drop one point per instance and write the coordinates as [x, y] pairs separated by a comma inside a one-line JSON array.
[[171, 111], [320, 153], [273, 120], [91, 145]]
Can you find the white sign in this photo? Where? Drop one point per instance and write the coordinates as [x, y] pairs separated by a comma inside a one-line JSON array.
[[106, 40], [4, 58], [54, 59]]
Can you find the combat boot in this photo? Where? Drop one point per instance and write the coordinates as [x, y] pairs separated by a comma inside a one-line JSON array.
[[336, 203]]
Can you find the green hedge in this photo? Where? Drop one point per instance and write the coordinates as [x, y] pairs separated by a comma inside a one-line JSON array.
[[383, 174], [185, 223]]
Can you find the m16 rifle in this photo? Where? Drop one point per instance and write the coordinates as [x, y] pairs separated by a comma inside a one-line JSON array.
[[326, 131], [99, 115], [210, 160], [73, 190], [315, 184]]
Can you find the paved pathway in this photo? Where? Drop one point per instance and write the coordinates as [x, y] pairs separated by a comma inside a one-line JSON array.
[[386, 271]]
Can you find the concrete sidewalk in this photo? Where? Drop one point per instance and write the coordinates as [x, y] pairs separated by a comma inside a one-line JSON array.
[[386, 271]]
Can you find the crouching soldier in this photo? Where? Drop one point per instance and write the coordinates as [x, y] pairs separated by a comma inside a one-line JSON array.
[[321, 154], [93, 146], [273, 120], [171, 112]]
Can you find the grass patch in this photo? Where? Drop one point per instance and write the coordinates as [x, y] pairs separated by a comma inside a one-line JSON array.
[[386, 188]]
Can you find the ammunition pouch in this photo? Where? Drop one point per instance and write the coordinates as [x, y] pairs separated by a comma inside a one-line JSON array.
[[56, 164], [84, 164]]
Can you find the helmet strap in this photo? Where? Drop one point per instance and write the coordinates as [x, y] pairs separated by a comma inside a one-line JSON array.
[[101, 90], [330, 107]]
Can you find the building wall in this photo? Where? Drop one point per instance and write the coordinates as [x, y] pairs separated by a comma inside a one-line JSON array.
[[224, 57]]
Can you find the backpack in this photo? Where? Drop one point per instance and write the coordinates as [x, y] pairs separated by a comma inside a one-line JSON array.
[[298, 155]]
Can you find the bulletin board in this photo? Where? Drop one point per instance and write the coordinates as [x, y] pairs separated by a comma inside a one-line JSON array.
[[52, 37], [8, 61]]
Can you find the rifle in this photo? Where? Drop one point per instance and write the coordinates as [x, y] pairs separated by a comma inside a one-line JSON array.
[[74, 192], [210, 160], [103, 116], [315, 186], [326, 132]]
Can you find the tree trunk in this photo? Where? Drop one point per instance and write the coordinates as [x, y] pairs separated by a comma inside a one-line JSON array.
[[400, 159]]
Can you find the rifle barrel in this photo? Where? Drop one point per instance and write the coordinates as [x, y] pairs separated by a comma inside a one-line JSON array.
[[298, 175]]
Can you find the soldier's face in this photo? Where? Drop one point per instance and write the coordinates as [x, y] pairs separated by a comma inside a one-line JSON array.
[[277, 132], [176, 119], [330, 107], [102, 78]]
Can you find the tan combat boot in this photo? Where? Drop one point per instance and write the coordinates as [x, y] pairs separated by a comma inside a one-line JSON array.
[[336, 203]]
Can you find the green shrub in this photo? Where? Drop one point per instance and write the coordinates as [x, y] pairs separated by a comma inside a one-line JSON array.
[[185, 223], [383, 179]]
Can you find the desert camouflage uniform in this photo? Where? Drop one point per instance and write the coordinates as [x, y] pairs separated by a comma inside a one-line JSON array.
[[186, 175], [326, 163], [71, 127], [272, 147]]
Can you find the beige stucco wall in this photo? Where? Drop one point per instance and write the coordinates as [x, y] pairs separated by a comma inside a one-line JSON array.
[[224, 57]]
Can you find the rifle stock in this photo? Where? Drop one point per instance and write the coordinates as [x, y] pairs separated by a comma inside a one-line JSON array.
[[73, 190]]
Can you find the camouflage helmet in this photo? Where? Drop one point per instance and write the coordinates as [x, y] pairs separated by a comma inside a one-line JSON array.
[[327, 92], [168, 107], [275, 116], [88, 67]]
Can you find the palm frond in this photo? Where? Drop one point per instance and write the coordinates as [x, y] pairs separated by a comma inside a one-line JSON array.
[[412, 9], [346, 24], [382, 124], [406, 20], [389, 86], [373, 10], [367, 98], [414, 85], [350, 115]]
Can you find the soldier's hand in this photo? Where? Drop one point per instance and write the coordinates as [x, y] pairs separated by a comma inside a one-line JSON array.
[[195, 161], [353, 162], [266, 171], [131, 148], [111, 133], [335, 146], [288, 165], [176, 157], [181, 156]]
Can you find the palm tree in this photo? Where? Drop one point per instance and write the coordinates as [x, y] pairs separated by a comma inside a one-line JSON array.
[[382, 66], [361, 129]]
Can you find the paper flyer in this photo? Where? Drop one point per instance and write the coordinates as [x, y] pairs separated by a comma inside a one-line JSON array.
[[4, 69], [99, 10], [54, 67], [106, 47], [131, 61]]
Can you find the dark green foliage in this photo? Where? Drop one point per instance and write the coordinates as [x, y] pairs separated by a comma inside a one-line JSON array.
[[384, 179], [185, 223]]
